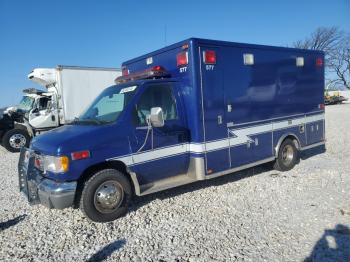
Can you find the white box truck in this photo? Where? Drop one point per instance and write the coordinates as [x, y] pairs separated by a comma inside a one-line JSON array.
[[69, 90]]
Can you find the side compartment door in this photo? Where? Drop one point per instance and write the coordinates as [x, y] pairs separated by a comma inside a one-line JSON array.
[[247, 94], [162, 153], [215, 131]]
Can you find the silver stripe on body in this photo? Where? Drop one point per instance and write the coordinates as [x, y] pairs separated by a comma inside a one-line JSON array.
[[240, 136]]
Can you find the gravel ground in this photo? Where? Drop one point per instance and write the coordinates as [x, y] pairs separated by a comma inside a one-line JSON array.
[[255, 215]]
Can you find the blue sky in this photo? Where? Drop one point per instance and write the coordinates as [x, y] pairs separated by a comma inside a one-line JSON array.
[[105, 33]]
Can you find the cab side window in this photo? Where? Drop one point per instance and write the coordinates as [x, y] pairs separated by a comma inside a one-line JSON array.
[[156, 96], [43, 103]]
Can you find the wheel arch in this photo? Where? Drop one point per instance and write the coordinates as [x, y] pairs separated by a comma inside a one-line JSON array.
[[115, 164], [292, 136], [24, 126]]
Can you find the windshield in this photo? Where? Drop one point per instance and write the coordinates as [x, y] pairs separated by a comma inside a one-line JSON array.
[[26, 104], [108, 105]]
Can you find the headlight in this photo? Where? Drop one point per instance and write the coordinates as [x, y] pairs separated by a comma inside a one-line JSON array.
[[54, 164]]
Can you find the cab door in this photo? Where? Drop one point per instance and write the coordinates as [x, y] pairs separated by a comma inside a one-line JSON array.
[[44, 114], [215, 129], [160, 152]]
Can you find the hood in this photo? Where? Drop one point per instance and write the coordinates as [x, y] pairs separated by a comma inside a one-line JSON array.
[[71, 138]]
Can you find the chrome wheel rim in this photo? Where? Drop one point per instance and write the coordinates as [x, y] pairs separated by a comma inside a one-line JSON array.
[[108, 196], [287, 155], [17, 141]]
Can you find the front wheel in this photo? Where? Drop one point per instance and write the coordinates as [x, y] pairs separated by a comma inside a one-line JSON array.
[[14, 139], [288, 156], [106, 196]]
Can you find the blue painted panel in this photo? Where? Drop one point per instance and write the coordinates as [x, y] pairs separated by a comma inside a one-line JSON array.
[[241, 155], [214, 107], [263, 149], [273, 87], [218, 160], [293, 130], [314, 132], [253, 151], [160, 169]]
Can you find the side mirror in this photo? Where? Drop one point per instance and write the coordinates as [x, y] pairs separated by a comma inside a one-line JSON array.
[[157, 117]]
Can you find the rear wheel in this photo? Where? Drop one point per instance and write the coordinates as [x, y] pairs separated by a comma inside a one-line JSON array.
[[106, 196], [288, 156], [14, 139]]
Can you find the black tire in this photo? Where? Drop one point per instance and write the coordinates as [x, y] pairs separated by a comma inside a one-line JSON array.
[[14, 139], [91, 195], [288, 156]]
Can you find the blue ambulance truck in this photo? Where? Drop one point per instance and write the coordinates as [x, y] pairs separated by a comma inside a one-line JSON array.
[[195, 110]]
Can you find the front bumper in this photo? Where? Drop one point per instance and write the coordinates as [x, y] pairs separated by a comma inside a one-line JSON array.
[[40, 190]]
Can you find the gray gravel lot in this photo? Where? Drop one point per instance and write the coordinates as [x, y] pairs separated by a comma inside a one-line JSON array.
[[255, 215]]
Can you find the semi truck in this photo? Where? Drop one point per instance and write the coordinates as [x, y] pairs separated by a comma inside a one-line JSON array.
[[192, 111], [68, 91]]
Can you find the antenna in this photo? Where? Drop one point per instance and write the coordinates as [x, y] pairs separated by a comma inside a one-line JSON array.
[[165, 42]]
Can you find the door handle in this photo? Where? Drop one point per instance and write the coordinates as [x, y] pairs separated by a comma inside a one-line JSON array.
[[219, 119]]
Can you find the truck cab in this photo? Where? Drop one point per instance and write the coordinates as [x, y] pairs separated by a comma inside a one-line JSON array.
[[14, 121], [135, 117]]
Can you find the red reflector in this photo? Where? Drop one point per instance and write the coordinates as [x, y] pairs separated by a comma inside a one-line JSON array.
[[210, 57], [80, 155], [182, 59], [321, 106], [125, 71], [156, 68], [319, 62], [37, 163], [152, 72]]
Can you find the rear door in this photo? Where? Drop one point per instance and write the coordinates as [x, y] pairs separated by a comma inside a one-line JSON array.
[[215, 130]]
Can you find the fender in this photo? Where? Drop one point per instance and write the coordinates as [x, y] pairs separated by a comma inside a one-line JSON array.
[[25, 126], [284, 136]]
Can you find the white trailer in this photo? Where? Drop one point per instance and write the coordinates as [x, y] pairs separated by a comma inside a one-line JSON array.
[[72, 89]]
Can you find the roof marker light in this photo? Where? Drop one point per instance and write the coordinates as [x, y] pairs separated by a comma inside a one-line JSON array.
[[149, 60], [185, 46], [209, 57], [182, 59], [248, 59], [300, 61]]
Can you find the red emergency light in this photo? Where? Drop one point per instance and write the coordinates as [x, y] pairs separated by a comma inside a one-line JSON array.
[[319, 62], [125, 71], [152, 72], [209, 57], [182, 59]]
